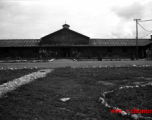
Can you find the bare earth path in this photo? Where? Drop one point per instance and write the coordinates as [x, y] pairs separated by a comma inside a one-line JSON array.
[[67, 63]]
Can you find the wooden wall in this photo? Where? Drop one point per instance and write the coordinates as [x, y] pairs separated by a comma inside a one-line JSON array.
[[59, 52]]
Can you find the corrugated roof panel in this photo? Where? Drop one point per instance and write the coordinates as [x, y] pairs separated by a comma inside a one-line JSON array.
[[27, 43], [1, 43], [114, 42], [122, 43], [93, 42], [33, 43], [7, 44], [24, 43], [19, 43], [107, 42], [14, 43], [119, 42], [110, 43], [128, 42]]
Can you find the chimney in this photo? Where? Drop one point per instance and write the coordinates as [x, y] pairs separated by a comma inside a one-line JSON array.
[[66, 26]]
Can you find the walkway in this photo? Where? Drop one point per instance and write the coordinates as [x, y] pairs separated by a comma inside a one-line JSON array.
[[68, 63]]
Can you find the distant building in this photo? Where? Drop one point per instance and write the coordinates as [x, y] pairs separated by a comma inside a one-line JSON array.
[[66, 43]]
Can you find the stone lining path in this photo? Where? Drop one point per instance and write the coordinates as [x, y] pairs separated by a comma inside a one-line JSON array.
[[11, 85], [143, 83]]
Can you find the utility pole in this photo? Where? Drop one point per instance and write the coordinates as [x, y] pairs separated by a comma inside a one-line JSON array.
[[136, 37]]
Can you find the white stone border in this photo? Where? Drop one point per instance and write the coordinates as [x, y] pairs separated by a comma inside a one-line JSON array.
[[111, 66], [51, 60], [26, 68], [12, 85], [106, 66], [25, 61], [123, 113]]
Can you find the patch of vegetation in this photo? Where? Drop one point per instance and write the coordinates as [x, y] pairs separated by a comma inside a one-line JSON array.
[[8, 75], [132, 98], [40, 100]]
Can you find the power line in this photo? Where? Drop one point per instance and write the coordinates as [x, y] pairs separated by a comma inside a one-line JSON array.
[[137, 22], [145, 20], [150, 32], [144, 28], [146, 35]]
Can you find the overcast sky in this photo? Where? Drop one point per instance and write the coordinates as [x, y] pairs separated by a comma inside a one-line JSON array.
[[33, 19]]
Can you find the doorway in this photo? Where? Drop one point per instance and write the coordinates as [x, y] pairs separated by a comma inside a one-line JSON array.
[[65, 52]]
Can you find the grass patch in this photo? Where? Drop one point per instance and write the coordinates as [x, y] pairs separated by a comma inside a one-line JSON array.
[[41, 99], [9, 75], [138, 98]]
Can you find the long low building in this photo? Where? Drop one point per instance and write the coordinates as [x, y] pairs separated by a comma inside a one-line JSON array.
[[66, 43]]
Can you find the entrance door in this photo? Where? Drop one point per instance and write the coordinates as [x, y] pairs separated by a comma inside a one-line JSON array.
[[65, 52]]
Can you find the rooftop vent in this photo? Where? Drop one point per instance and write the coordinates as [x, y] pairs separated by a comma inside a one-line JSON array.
[[66, 26]]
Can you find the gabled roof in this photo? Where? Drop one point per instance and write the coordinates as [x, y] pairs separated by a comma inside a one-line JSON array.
[[19, 43], [65, 36], [119, 42], [62, 30]]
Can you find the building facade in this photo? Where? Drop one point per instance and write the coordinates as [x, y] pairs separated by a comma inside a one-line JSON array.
[[66, 43]]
